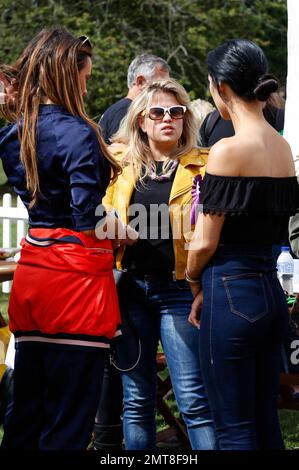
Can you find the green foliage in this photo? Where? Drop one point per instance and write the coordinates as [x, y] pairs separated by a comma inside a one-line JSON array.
[[290, 428], [181, 31]]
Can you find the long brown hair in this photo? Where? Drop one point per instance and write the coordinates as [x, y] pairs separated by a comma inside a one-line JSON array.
[[49, 69]]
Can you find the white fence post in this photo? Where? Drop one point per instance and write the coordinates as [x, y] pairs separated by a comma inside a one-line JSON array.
[[6, 236], [21, 225], [8, 213]]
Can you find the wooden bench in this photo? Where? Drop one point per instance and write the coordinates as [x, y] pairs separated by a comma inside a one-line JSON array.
[[7, 269]]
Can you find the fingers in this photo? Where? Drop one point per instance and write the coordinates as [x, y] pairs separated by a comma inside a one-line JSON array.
[[7, 95], [132, 235], [117, 243], [194, 319]]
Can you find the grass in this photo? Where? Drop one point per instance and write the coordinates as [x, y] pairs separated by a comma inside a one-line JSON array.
[[3, 178], [289, 421]]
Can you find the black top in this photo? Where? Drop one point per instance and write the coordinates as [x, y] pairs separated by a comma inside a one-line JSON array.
[[153, 253], [256, 208], [73, 172], [214, 127], [110, 121]]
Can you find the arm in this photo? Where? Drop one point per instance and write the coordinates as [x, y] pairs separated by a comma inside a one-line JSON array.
[[205, 240], [87, 171], [202, 247], [208, 227], [123, 234], [88, 174]]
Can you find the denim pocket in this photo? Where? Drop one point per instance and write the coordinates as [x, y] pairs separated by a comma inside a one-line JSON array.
[[246, 294]]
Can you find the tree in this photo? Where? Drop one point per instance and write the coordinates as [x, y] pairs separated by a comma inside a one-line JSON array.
[[181, 31]]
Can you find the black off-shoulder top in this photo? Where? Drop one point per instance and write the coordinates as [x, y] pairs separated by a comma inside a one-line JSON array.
[[256, 208]]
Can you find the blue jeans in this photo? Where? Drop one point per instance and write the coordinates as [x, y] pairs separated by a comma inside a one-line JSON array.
[[152, 309], [243, 323]]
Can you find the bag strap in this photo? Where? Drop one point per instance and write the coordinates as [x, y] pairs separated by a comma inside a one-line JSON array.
[[119, 278], [210, 122]]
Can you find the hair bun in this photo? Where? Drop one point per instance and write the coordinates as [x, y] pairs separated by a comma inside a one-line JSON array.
[[267, 84]]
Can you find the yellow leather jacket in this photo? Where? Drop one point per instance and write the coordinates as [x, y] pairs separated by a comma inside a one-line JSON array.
[[119, 194]]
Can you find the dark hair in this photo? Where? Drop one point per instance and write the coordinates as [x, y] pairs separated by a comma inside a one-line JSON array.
[[243, 66], [48, 68]]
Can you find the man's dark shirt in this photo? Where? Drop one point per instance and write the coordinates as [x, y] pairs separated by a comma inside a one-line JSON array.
[[214, 127], [110, 121]]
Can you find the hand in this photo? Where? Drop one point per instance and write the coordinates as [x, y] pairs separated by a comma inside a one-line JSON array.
[[194, 315], [131, 236], [117, 243], [9, 89]]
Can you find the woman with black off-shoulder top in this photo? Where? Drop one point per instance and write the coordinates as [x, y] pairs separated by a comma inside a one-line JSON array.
[[248, 193]]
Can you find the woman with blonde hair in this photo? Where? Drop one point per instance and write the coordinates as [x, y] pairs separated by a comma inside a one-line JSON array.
[[63, 307], [160, 163]]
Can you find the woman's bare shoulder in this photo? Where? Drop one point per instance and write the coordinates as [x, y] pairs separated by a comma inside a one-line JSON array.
[[223, 157]]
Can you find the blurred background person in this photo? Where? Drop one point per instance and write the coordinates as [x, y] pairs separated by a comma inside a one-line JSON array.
[[215, 127], [200, 110], [144, 69]]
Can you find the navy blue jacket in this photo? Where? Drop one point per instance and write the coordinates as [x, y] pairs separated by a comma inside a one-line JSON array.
[[73, 172]]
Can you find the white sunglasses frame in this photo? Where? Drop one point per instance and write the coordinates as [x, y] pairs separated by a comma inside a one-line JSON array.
[[146, 113]]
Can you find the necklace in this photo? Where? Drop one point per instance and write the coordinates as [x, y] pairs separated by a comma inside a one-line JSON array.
[[164, 176]]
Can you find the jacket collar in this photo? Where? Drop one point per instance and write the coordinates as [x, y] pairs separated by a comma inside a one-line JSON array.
[[182, 183], [197, 157]]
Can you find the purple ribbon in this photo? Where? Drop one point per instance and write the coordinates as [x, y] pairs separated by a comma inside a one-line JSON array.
[[196, 197]]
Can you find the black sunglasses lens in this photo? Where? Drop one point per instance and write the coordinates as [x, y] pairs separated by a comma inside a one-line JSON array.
[[156, 113], [176, 112]]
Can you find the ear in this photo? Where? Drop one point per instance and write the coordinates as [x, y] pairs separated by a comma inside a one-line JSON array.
[[141, 123], [223, 90], [140, 81]]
